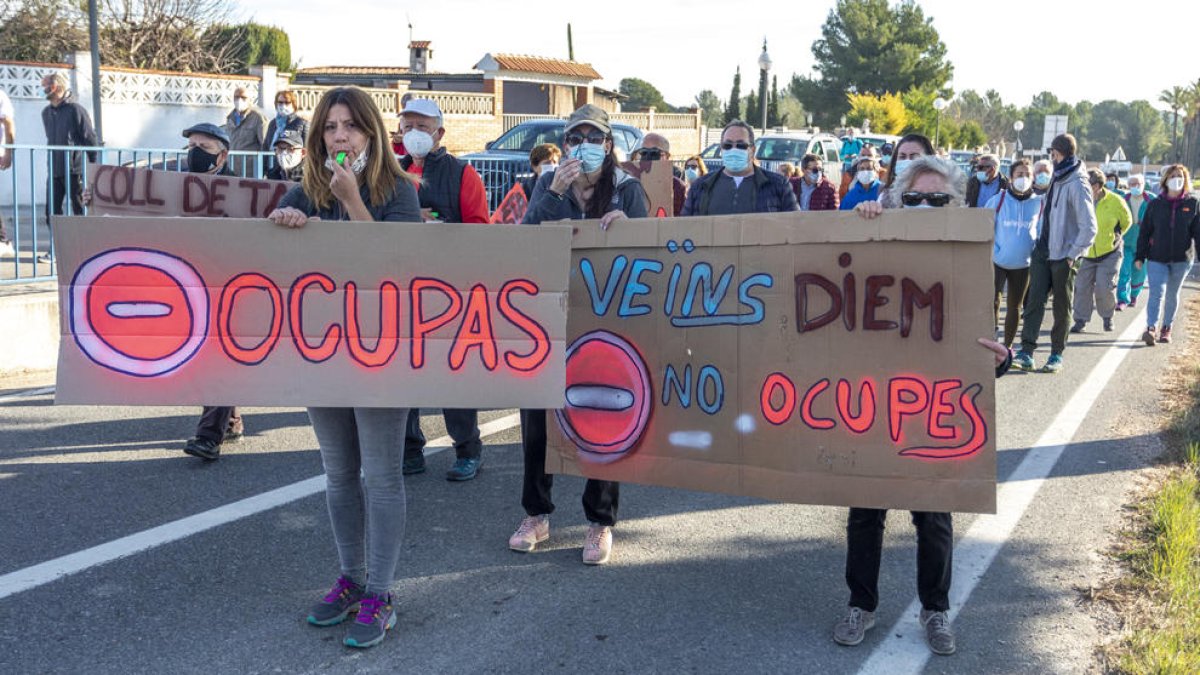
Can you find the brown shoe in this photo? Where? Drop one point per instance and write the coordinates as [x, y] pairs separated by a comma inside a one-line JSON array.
[[1148, 336], [1165, 336]]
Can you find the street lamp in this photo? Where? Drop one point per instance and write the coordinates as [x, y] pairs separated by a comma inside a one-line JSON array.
[[764, 64], [1017, 127], [939, 104]]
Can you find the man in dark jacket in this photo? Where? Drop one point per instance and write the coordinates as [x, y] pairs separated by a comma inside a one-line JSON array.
[[986, 182], [289, 157], [452, 192], [208, 152], [814, 191], [66, 123], [741, 186]]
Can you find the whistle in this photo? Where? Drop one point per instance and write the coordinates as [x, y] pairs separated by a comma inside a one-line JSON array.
[[341, 157]]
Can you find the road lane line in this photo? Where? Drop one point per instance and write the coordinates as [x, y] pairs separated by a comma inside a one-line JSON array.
[[903, 649], [28, 393], [52, 570]]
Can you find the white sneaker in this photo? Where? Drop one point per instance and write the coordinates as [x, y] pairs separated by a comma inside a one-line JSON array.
[[532, 531], [597, 546], [7, 250], [46, 258]]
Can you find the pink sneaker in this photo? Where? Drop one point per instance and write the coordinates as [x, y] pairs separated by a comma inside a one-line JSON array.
[[532, 531], [597, 546]]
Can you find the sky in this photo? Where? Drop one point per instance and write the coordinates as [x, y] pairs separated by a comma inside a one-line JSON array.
[[1100, 49]]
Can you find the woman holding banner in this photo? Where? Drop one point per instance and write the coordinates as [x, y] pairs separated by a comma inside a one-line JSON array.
[[350, 173], [588, 184]]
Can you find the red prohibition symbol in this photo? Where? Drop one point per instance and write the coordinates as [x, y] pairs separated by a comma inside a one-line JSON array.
[[608, 397], [138, 311]]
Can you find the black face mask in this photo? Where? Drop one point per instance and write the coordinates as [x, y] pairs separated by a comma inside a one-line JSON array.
[[200, 161]]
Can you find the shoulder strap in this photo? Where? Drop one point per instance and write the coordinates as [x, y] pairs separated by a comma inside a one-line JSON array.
[[1000, 204]]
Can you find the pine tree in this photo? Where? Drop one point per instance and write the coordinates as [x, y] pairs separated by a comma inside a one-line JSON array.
[[773, 118], [733, 111]]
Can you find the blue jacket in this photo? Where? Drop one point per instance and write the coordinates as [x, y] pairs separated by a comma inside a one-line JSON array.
[[772, 193], [1017, 229], [858, 194]]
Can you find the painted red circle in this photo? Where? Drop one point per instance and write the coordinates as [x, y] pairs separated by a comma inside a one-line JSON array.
[[613, 371], [163, 329]]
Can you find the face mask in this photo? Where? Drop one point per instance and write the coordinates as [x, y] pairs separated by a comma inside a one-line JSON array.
[[418, 143], [200, 161], [356, 166], [981, 176], [1175, 184], [736, 160], [590, 154], [901, 165], [547, 167], [284, 110], [240, 104], [866, 176], [1136, 190], [289, 160], [692, 174], [814, 176], [1110, 185], [1021, 184], [1041, 180], [48, 91]]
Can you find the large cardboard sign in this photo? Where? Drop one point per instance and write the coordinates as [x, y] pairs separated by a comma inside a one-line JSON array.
[[810, 357], [657, 181], [243, 312], [126, 191]]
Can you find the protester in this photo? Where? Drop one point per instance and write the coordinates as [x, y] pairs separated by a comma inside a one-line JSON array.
[[925, 182], [286, 119], [866, 183], [693, 170], [986, 182], [66, 123], [1068, 230], [653, 148], [1112, 182], [1131, 281], [360, 447], [1018, 213], [208, 153], [542, 158], [1096, 272], [1043, 172], [588, 184], [8, 134], [451, 192], [849, 174], [813, 190], [908, 149], [289, 157], [727, 191], [244, 126], [851, 147], [1170, 228]]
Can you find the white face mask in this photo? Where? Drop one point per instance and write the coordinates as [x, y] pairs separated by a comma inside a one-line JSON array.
[[1022, 184], [284, 110], [1175, 183], [547, 167], [418, 143], [289, 160], [240, 104], [866, 176], [356, 166]]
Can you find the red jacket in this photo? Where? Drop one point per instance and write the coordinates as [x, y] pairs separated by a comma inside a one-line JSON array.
[[824, 197]]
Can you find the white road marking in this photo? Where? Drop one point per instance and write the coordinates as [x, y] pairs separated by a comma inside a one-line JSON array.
[[52, 570], [28, 393], [903, 650]]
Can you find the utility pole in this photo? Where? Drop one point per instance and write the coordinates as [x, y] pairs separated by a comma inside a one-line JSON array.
[[94, 40]]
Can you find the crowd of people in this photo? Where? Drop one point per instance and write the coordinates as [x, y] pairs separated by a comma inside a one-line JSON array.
[[1061, 231]]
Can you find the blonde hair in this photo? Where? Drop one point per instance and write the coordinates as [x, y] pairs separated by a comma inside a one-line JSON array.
[[1170, 170], [382, 169]]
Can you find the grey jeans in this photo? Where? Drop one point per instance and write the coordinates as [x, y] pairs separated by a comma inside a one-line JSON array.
[[1096, 285], [368, 525]]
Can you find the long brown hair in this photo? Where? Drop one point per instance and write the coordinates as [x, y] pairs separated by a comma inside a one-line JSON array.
[[382, 169]]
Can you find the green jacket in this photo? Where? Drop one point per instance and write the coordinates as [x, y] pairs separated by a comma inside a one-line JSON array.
[[1112, 219]]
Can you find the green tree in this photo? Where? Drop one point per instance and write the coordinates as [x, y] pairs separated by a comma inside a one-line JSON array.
[[41, 30], [711, 108], [773, 117], [734, 110], [1176, 99], [970, 135], [642, 95], [753, 112], [1145, 132], [1035, 114], [257, 45], [870, 47]]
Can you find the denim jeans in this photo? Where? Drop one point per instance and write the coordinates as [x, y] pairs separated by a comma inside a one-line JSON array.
[[1164, 278]]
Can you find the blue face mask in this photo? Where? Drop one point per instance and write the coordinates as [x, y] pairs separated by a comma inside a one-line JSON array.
[[1136, 190], [1110, 185], [736, 160], [692, 174], [981, 176], [1041, 180], [591, 155], [901, 165]]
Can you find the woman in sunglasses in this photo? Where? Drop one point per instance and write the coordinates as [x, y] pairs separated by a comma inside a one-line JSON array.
[[587, 184], [910, 148]]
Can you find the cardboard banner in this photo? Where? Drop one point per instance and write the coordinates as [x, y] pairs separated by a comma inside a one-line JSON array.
[[658, 182], [126, 191], [811, 357], [158, 311], [512, 208]]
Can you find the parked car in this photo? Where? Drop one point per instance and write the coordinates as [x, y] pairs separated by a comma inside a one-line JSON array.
[[774, 149], [711, 156]]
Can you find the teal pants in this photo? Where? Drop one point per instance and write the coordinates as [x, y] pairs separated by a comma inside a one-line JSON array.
[[1131, 281]]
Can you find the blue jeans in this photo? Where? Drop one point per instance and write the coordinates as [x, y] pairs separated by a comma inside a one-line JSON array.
[[1168, 278]]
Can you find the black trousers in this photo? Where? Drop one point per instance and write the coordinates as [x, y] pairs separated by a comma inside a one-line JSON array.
[[935, 557], [600, 497], [215, 421], [57, 189], [1017, 282], [1048, 277], [461, 424]]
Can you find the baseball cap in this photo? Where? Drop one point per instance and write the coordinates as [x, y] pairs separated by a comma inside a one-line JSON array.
[[589, 114], [292, 138], [422, 106]]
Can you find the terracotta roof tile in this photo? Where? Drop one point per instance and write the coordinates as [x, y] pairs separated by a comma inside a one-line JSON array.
[[539, 64], [419, 44]]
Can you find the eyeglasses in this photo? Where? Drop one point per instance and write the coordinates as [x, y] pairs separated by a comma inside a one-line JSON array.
[[985, 167], [651, 154], [932, 198], [740, 145], [596, 138]]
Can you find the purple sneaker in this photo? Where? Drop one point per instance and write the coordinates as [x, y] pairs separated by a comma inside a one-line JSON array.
[[337, 604], [375, 617]]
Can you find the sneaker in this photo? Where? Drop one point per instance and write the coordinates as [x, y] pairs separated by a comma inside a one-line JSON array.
[[337, 604], [938, 633], [532, 531], [1165, 336], [7, 250], [413, 465], [1053, 364], [853, 627], [465, 468], [46, 258], [1108, 326], [235, 431], [597, 545], [203, 448], [1023, 360], [1148, 336], [1121, 306], [375, 617], [1078, 327]]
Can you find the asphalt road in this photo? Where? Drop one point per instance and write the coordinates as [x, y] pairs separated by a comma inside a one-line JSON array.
[[699, 582]]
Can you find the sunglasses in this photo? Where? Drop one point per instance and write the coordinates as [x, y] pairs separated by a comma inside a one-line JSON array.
[[740, 145], [595, 138], [985, 167], [932, 198], [651, 154]]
